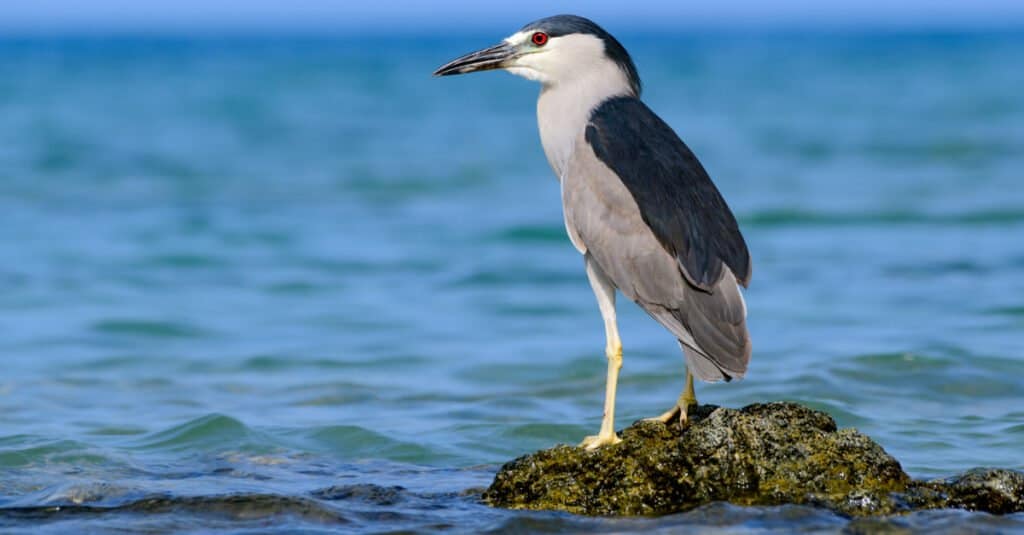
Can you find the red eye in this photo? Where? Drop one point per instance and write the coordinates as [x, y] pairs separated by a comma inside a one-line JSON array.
[[540, 38]]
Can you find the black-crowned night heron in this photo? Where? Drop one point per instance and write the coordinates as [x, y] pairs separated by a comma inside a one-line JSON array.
[[637, 203]]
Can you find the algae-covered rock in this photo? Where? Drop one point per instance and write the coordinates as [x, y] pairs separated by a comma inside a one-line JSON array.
[[763, 454], [992, 490]]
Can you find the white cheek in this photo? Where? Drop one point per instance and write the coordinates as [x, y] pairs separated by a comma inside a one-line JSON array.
[[531, 67], [527, 73]]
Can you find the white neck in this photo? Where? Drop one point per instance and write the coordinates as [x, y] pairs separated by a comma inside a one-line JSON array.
[[576, 76], [564, 109]]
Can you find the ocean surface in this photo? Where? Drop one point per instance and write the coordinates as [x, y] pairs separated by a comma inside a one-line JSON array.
[[296, 283]]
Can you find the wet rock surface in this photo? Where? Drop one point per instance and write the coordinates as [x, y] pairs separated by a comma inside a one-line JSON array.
[[763, 454]]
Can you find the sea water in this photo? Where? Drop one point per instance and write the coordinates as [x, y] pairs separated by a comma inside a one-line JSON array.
[[296, 283]]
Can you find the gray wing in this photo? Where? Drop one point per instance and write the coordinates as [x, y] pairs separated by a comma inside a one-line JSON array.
[[602, 214], [676, 197]]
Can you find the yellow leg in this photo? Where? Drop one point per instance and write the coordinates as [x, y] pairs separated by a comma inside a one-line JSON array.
[[605, 293], [606, 436], [689, 397], [686, 400]]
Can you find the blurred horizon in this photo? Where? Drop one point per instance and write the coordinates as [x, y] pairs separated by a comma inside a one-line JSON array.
[[406, 17]]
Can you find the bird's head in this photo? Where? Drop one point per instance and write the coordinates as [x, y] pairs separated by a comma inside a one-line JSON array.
[[553, 51]]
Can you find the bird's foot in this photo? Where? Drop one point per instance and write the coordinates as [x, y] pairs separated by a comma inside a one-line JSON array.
[[680, 411], [665, 417], [603, 439]]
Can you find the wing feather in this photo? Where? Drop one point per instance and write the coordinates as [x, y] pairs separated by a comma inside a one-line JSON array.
[[676, 197]]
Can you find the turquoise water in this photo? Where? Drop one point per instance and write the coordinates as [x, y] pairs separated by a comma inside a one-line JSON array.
[[296, 283]]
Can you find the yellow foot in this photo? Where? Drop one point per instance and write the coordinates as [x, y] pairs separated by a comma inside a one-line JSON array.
[[596, 441], [679, 411]]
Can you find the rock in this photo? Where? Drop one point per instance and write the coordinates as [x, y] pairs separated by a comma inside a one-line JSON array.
[[992, 490], [763, 454]]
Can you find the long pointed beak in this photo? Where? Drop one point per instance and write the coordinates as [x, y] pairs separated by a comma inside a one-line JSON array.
[[494, 57]]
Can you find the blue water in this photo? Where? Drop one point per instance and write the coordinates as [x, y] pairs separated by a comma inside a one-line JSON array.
[[297, 283]]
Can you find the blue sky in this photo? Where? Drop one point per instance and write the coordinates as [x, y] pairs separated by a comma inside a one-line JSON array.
[[406, 15]]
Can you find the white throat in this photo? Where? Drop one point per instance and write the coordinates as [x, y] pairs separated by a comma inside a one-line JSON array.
[[564, 109], [576, 76]]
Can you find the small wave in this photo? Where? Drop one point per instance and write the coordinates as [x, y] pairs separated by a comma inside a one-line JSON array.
[[390, 189], [877, 368], [903, 361], [486, 278], [531, 234], [544, 433], [798, 218], [206, 432], [532, 311], [1015, 430], [118, 362], [23, 451], [148, 328], [1011, 311], [934, 269], [293, 287], [356, 442], [952, 151], [270, 363], [186, 261], [288, 362], [248, 507], [838, 411]]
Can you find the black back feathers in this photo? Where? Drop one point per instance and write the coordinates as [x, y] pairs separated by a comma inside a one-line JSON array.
[[676, 197]]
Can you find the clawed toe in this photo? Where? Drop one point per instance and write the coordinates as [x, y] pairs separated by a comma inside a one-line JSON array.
[[665, 417], [679, 412]]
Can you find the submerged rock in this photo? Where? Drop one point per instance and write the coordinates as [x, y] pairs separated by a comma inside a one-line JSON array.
[[993, 490], [763, 454]]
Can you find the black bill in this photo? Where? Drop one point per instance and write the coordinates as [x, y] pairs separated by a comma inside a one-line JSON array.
[[494, 57]]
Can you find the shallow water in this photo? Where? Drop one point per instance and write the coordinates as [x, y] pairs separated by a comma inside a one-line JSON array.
[[286, 283]]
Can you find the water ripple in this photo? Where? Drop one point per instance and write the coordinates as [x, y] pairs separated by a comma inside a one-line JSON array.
[[149, 328], [808, 218], [206, 433]]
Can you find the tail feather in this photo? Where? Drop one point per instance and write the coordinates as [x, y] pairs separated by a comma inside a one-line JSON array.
[[717, 322], [712, 330]]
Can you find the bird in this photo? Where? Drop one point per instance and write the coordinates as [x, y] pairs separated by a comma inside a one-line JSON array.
[[637, 203]]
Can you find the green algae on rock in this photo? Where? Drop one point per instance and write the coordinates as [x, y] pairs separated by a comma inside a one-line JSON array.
[[993, 490], [763, 454]]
